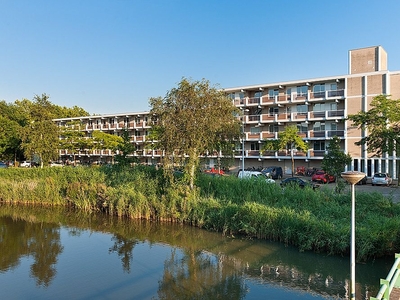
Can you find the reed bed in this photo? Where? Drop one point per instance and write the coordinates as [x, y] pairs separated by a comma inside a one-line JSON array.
[[310, 220]]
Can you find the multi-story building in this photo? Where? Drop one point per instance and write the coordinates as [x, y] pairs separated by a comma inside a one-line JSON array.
[[318, 107]]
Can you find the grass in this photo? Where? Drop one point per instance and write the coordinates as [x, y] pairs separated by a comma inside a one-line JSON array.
[[310, 220]]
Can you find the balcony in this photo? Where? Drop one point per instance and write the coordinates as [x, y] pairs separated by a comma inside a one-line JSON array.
[[337, 94], [326, 134]]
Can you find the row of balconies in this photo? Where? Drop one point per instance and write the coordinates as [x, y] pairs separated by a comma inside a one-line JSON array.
[[238, 154], [295, 117], [118, 126], [311, 134], [291, 98], [263, 135]]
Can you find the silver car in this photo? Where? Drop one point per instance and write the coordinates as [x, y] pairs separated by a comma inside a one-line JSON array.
[[381, 179]]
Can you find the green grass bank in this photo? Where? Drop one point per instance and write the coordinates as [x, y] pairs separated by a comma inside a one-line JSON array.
[[310, 220]]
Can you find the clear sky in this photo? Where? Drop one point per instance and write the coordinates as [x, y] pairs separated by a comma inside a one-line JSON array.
[[111, 56]]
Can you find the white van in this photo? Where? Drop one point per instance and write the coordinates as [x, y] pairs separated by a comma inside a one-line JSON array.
[[253, 174]]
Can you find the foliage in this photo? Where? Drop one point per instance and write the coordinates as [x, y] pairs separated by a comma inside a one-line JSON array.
[[382, 125], [335, 160], [310, 220], [73, 139], [126, 148], [29, 130], [287, 139], [192, 119]]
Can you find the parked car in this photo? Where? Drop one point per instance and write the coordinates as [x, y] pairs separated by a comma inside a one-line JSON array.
[[55, 164], [381, 179], [273, 172], [253, 175], [363, 181], [25, 164], [3, 165], [322, 177], [214, 171], [298, 182]]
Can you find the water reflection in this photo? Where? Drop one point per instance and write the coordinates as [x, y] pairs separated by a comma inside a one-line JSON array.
[[41, 241], [164, 261]]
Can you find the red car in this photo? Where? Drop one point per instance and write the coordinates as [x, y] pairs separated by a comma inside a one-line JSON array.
[[322, 177]]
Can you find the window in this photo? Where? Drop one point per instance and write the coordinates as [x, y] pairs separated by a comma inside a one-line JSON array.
[[319, 145], [319, 126], [302, 108], [273, 93], [302, 91], [254, 130], [273, 128], [231, 96], [302, 127], [273, 111], [319, 107], [319, 90], [332, 87], [257, 94], [333, 126], [255, 146]]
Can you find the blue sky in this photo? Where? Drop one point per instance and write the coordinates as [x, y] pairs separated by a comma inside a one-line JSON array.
[[112, 56]]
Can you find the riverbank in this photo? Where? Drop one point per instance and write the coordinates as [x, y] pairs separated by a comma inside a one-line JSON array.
[[310, 220]]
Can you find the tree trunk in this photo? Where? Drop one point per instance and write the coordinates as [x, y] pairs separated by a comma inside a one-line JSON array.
[[292, 157]]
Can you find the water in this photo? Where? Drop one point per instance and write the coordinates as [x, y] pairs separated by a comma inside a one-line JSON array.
[[63, 254]]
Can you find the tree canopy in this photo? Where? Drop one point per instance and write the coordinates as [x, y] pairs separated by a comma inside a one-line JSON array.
[[29, 130], [190, 120], [335, 160], [287, 139], [381, 124]]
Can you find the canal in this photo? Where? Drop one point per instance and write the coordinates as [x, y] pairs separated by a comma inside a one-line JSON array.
[[59, 253]]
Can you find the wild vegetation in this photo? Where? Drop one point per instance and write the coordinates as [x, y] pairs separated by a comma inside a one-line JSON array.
[[310, 220]]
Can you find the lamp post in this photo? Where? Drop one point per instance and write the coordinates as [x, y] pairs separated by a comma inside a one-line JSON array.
[[243, 111], [353, 177]]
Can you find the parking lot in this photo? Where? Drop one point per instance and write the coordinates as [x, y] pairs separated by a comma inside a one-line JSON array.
[[392, 191]]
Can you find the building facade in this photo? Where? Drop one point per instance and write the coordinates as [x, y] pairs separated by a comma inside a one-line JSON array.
[[318, 107]]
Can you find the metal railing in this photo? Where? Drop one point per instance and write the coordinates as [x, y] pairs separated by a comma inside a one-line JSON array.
[[390, 281]]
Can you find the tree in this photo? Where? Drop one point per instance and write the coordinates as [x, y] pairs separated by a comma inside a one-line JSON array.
[[107, 141], [335, 160], [382, 125], [126, 148], [40, 136], [287, 139], [190, 120], [74, 139]]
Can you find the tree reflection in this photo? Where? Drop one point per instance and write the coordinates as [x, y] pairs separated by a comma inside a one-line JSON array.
[[124, 249], [200, 276], [40, 240]]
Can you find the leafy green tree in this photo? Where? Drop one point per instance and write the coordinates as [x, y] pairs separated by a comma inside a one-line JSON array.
[[287, 139], [106, 141], [73, 139], [191, 120], [22, 120], [126, 148], [9, 139], [40, 136], [335, 160], [381, 123]]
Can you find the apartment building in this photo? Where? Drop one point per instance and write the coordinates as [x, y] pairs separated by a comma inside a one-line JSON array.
[[317, 106]]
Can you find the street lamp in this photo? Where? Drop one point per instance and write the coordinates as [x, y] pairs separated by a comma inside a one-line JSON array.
[[353, 177], [243, 111]]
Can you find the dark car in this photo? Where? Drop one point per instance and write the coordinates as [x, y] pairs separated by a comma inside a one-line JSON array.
[[3, 165], [273, 172], [298, 182], [363, 181]]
